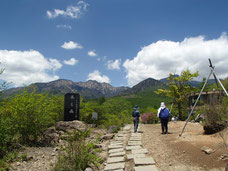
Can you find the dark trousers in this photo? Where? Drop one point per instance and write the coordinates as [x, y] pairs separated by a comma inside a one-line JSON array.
[[136, 123], [164, 125]]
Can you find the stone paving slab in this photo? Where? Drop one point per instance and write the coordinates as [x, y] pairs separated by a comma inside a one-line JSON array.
[[136, 134], [135, 139], [140, 151], [116, 150], [115, 146], [144, 161], [131, 143], [127, 127], [114, 166], [117, 154], [115, 160], [132, 156], [133, 147], [146, 168], [116, 143]]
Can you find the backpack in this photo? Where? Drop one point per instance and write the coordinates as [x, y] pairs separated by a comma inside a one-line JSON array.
[[135, 114], [164, 113]]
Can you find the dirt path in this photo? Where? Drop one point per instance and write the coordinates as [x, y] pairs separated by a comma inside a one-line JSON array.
[[174, 153]]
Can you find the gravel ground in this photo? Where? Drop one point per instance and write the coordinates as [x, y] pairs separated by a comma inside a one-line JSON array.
[[174, 153]]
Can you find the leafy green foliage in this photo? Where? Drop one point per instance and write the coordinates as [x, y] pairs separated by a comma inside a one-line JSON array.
[[216, 116], [147, 99], [179, 88], [24, 117], [6, 160], [31, 114], [79, 153], [113, 111], [214, 86]]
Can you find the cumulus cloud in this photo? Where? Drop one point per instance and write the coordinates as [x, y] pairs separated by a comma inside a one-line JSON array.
[[26, 67], [96, 75], [71, 45], [159, 59], [65, 26], [72, 61], [73, 12], [92, 53], [114, 65]]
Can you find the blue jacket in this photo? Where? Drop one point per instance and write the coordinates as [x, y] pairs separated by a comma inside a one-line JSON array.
[[136, 114], [164, 113]]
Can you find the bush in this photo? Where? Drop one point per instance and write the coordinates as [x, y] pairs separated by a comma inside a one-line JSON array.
[[79, 153], [216, 117], [6, 135], [149, 118], [116, 111], [29, 114]]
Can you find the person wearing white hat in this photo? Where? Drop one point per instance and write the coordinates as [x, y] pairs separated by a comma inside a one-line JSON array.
[[163, 114], [136, 116]]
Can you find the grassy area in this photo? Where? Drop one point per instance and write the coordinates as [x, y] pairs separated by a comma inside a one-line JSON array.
[[147, 99]]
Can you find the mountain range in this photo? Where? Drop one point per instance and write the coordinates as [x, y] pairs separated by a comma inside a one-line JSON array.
[[91, 88]]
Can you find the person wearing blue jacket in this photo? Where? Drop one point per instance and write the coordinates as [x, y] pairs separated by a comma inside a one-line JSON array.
[[136, 115], [163, 114]]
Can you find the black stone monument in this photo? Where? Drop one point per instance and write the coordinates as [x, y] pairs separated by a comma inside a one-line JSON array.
[[71, 106]]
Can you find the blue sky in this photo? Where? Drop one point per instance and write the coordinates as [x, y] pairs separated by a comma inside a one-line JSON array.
[[121, 42]]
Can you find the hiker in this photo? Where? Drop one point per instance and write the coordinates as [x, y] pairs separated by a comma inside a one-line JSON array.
[[136, 116], [163, 114]]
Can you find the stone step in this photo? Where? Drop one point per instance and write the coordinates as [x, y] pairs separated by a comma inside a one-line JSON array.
[[115, 146], [116, 150], [136, 134], [140, 151], [134, 143], [144, 161], [120, 138], [132, 156], [133, 147], [116, 143], [115, 160], [135, 139], [114, 166], [117, 154]]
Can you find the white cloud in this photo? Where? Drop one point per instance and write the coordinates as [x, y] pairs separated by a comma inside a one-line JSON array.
[[159, 59], [71, 45], [72, 61], [92, 53], [112, 65], [72, 11], [26, 67], [65, 26], [96, 75]]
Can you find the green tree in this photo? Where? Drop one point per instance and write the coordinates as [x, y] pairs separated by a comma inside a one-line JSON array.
[[179, 88], [30, 114], [101, 100], [206, 88]]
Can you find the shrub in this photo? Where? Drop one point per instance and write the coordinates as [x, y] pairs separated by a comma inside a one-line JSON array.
[[116, 111], [216, 117], [149, 118], [30, 114], [78, 155]]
